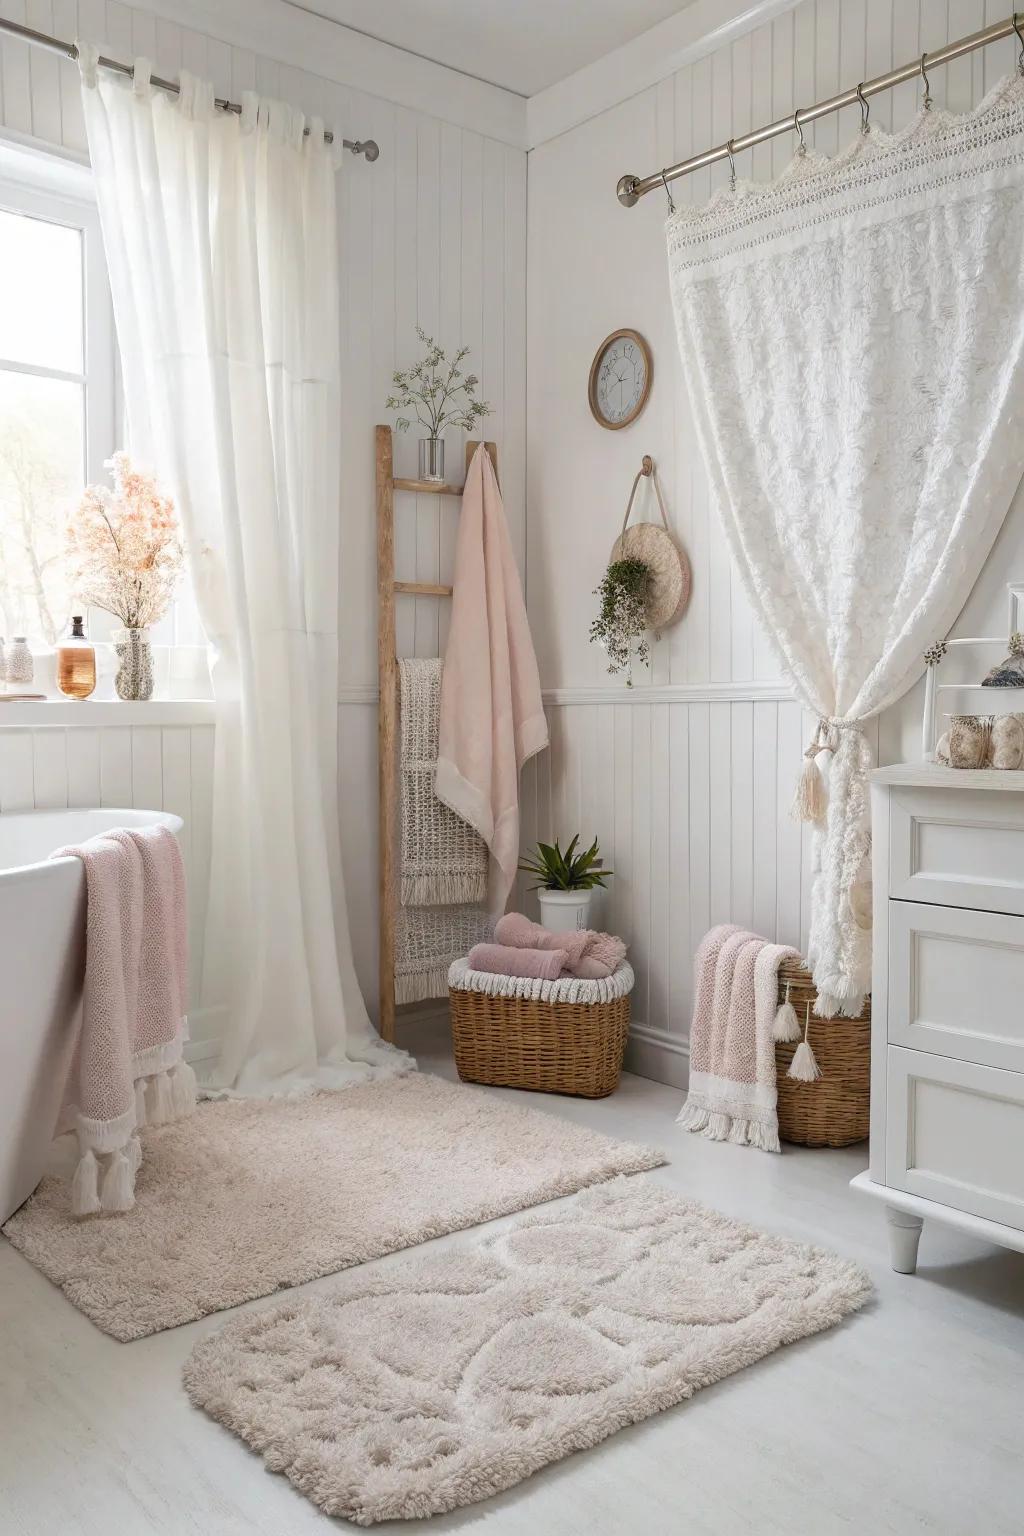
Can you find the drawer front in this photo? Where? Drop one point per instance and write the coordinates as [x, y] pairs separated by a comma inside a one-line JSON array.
[[956, 983], [959, 848], [955, 1134]]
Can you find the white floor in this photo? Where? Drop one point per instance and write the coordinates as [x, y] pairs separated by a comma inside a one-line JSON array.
[[905, 1419]]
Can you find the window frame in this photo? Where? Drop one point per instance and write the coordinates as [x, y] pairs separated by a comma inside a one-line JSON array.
[[98, 378]]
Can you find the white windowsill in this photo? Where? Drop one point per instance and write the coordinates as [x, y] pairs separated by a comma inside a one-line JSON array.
[[95, 712]]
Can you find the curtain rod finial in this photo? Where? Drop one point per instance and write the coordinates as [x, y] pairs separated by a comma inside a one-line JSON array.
[[626, 191]]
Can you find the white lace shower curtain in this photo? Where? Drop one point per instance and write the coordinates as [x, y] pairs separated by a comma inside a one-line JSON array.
[[221, 242], [852, 341]]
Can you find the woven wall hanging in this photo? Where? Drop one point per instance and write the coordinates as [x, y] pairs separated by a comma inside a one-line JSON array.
[[669, 590]]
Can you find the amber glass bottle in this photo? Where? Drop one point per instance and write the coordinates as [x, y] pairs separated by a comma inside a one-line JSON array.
[[76, 663]]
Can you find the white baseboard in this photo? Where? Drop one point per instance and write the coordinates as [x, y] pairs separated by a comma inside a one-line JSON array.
[[656, 1054]]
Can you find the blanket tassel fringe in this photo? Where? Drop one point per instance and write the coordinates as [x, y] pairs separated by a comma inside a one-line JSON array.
[[85, 1199], [720, 1127], [118, 1191]]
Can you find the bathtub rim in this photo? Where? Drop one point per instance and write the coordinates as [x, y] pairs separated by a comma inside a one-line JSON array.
[[168, 819]]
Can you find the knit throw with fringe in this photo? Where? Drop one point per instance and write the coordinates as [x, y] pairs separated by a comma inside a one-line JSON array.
[[127, 1068], [444, 861], [732, 1094]]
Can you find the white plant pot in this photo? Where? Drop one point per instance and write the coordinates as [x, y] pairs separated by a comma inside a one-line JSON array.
[[561, 911]]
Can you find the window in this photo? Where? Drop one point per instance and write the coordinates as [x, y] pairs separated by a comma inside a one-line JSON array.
[[60, 417], [56, 396]]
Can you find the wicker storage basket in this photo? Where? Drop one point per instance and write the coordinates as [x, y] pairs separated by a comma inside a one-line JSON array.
[[833, 1111], [547, 1045]]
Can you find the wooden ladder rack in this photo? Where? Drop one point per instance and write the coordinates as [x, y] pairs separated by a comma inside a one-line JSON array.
[[387, 710]]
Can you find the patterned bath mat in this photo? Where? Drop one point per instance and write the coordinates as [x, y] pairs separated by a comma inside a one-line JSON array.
[[247, 1197], [421, 1386]]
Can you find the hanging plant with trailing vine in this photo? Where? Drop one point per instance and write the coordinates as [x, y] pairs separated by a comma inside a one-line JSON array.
[[621, 625]]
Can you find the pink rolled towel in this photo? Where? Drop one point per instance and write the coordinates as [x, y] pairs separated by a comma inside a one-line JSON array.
[[590, 955], [506, 960]]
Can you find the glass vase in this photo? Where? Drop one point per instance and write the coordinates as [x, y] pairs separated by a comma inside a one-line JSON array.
[[431, 458], [134, 678]]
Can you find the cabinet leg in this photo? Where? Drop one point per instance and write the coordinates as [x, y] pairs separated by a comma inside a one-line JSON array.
[[904, 1236]]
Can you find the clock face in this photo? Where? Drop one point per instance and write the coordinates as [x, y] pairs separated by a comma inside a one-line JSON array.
[[620, 379]]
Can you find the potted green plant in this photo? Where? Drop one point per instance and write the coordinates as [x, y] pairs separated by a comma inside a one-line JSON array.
[[440, 395], [565, 883], [621, 625]]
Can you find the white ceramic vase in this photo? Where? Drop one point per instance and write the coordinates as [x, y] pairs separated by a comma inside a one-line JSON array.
[[561, 911]]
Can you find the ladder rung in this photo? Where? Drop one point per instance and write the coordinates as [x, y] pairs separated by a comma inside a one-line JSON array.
[[427, 487], [423, 588]]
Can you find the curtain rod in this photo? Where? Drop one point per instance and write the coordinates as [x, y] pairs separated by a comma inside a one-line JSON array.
[[631, 189], [367, 147]]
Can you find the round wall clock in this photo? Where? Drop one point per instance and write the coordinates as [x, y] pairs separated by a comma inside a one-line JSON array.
[[620, 379]]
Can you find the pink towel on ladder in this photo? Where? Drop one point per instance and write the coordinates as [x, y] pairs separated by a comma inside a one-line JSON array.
[[127, 1069], [492, 717]]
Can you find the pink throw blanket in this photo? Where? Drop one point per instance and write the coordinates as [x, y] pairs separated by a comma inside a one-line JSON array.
[[127, 1069], [504, 960], [732, 1094], [492, 717], [589, 954]]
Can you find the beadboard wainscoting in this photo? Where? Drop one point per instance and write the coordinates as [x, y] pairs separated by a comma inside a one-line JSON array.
[[165, 766], [688, 790]]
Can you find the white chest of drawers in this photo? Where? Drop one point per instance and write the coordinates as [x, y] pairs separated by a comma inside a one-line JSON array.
[[947, 1008]]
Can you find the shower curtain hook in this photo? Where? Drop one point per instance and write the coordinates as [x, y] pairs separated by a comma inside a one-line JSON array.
[[668, 194], [732, 166], [927, 103], [865, 110], [1020, 39], [799, 128]]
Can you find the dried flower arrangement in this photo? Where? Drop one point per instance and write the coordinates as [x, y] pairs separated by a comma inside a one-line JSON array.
[[437, 391], [123, 548], [621, 625]]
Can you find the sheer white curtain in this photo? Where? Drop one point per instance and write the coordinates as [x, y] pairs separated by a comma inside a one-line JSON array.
[[221, 240], [853, 341]]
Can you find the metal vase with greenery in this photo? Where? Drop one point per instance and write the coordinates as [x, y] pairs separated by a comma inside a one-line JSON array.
[[565, 883], [621, 625], [440, 395]]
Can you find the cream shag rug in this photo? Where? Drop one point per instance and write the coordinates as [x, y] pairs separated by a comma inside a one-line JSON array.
[[421, 1386], [249, 1196]]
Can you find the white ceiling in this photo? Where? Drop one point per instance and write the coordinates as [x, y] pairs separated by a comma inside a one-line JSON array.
[[522, 45]]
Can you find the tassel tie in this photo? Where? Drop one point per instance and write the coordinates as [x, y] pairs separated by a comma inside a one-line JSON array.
[[810, 803], [804, 1066], [786, 1028]]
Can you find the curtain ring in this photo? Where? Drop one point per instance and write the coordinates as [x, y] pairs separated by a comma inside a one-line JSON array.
[[927, 102], [865, 110], [732, 166], [799, 128], [1020, 39], [668, 194]]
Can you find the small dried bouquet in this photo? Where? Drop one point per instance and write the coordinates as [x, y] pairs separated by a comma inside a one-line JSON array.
[[436, 390], [123, 548]]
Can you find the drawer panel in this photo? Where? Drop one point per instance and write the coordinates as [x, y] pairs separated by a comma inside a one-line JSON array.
[[959, 848], [956, 983], [955, 1134]]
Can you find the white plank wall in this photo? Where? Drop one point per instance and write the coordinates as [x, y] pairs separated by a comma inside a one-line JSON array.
[[689, 793], [151, 767], [432, 234]]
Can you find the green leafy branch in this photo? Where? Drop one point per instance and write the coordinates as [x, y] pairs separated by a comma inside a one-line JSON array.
[[437, 391]]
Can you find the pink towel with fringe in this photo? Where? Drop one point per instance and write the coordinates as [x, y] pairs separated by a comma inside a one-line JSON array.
[[732, 1093], [589, 954], [506, 960], [492, 717], [127, 1068]]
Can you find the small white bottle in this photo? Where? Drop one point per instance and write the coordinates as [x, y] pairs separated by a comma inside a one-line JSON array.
[[19, 662]]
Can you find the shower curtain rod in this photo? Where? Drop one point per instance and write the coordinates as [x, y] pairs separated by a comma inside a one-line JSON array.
[[631, 188], [367, 147]]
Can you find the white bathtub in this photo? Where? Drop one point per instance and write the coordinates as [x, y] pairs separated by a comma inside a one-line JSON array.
[[42, 958]]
